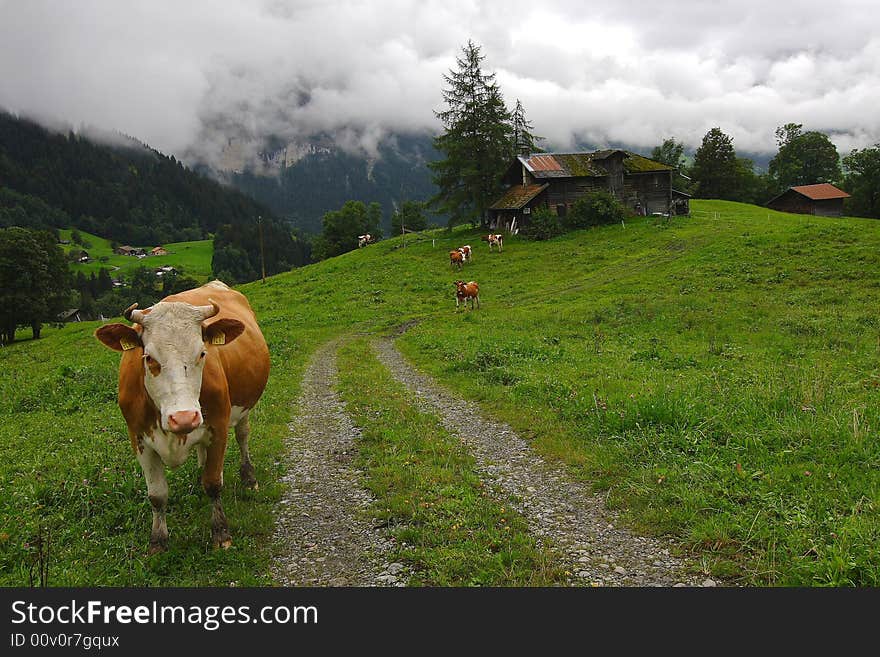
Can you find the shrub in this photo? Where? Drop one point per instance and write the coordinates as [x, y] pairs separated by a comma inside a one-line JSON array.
[[594, 209], [542, 226]]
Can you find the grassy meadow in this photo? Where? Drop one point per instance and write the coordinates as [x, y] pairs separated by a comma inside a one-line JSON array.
[[716, 376], [191, 258]]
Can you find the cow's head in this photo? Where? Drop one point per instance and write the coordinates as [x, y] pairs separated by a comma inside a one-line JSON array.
[[174, 345]]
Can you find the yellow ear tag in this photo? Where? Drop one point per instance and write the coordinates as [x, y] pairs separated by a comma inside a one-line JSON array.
[[126, 344], [219, 338]]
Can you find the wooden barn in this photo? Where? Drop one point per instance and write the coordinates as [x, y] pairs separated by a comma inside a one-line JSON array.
[[557, 180], [822, 199]]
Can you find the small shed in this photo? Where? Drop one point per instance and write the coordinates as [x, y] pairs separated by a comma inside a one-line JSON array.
[[681, 203], [158, 251], [822, 199]]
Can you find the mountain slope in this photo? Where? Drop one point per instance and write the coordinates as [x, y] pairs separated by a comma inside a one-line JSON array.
[[130, 193], [322, 177]]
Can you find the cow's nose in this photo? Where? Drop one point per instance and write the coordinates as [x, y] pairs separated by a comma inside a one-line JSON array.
[[184, 421]]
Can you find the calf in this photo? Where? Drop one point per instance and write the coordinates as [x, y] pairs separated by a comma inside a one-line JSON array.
[[455, 258], [467, 292], [495, 240], [193, 365], [466, 252]]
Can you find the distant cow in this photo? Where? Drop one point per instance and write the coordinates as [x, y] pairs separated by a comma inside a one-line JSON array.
[[467, 292], [494, 240], [363, 240], [193, 365], [456, 258], [466, 252]]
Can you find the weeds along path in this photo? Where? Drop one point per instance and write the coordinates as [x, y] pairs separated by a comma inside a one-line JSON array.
[[595, 548], [323, 535]]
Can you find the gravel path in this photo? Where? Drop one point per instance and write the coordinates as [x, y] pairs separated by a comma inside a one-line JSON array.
[[595, 548], [323, 534]]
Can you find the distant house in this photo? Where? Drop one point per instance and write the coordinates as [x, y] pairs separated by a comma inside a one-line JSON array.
[[822, 199], [167, 269], [130, 251], [557, 180], [158, 251]]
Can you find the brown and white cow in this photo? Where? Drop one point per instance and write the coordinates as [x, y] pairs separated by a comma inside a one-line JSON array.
[[495, 240], [467, 292], [466, 252], [456, 258], [193, 365], [363, 240]]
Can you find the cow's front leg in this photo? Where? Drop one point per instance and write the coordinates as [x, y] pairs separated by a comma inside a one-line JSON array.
[[212, 480], [157, 490]]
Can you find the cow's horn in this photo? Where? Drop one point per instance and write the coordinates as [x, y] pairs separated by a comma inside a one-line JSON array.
[[132, 315], [209, 311]]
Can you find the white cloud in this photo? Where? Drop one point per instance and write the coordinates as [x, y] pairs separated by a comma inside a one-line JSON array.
[[185, 77]]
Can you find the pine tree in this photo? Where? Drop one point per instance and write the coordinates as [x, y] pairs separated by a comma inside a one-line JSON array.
[[524, 141], [715, 167], [476, 141]]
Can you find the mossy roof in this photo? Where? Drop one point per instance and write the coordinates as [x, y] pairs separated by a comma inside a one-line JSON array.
[[579, 165], [517, 196]]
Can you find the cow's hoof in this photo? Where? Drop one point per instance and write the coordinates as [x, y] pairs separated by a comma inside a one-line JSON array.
[[248, 478], [222, 539], [156, 548]]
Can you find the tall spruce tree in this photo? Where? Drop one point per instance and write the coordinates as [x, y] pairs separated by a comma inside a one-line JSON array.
[[524, 141], [715, 169], [476, 141]]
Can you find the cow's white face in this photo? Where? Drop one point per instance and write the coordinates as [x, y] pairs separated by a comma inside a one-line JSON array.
[[173, 361], [174, 341]]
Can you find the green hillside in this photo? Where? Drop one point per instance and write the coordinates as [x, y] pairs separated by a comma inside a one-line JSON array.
[[716, 376], [190, 258]]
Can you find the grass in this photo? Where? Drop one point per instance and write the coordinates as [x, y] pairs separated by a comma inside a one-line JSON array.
[[446, 524], [190, 258], [716, 376]]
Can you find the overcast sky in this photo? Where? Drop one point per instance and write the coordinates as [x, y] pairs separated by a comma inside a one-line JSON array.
[[185, 76]]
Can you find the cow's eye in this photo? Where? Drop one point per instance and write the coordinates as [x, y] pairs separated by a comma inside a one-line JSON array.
[[152, 365]]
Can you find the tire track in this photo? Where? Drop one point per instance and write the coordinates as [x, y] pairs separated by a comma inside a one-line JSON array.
[[595, 548], [324, 535]]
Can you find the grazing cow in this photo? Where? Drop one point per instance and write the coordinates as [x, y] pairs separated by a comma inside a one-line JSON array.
[[466, 252], [465, 292], [363, 240], [495, 240], [192, 366], [456, 258]]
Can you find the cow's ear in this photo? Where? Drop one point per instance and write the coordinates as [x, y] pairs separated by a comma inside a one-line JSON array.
[[119, 337], [223, 331]]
